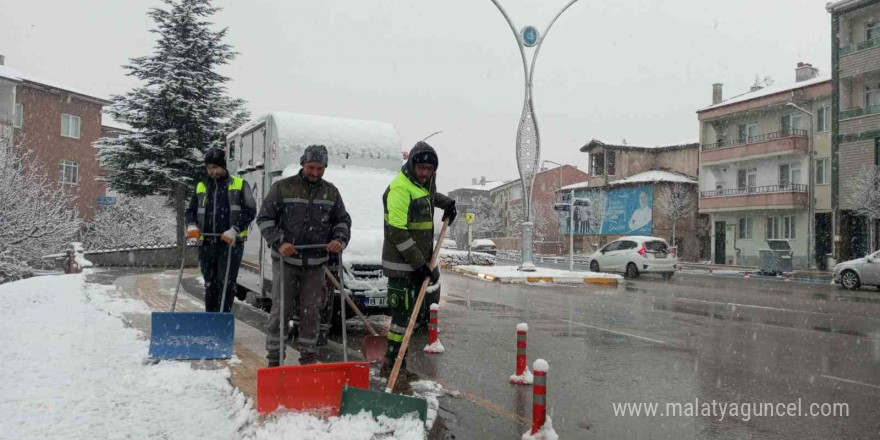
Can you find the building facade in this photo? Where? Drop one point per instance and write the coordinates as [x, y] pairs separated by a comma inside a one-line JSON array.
[[765, 160], [57, 126], [634, 183], [476, 200], [855, 107]]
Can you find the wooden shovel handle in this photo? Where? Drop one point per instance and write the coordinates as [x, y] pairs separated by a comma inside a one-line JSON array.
[[392, 379], [349, 301]]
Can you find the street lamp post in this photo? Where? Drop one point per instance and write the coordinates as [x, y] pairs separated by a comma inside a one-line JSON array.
[[528, 148], [810, 220]]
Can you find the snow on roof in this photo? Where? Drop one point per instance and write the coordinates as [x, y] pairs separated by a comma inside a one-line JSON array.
[[840, 4], [487, 187], [342, 137], [655, 176], [767, 91], [16, 75], [482, 242], [108, 121], [595, 143], [576, 186]]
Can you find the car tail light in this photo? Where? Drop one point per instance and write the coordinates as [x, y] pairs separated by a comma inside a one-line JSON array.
[[643, 251], [673, 250]]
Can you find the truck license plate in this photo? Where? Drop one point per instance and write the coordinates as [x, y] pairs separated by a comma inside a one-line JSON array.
[[377, 302]]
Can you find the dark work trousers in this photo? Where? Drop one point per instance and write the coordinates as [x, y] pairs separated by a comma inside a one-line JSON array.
[[303, 288], [212, 261], [402, 294]]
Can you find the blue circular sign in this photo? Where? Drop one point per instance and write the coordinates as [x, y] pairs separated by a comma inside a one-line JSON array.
[[529, 36]]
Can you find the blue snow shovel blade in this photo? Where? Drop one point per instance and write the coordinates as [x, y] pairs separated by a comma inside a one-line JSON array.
[[192, 335]]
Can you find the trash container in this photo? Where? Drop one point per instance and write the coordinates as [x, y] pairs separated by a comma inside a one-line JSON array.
[[777, 259]]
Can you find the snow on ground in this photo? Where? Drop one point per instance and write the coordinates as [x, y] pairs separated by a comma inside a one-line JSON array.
[[74, 369], [556, 274], [435, 348]]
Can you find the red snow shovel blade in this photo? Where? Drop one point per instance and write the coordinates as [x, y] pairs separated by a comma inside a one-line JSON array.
[[374, 348], [315, 388]]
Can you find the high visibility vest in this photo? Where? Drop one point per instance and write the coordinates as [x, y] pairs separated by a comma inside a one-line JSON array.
[[236, 184]]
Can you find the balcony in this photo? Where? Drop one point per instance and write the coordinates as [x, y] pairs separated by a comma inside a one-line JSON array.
[[774, 143], [857, 112], [787, 196], [858, 47]]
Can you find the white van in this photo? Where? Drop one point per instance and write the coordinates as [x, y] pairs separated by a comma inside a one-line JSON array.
[[364, 157]]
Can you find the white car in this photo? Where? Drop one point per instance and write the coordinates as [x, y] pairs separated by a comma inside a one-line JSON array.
[[634, 255], [853, 274]]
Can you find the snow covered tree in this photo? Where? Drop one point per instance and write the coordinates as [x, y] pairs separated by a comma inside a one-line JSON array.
[[180, 111], [864, 190], [590, 218], [488, 218], [130, 222], [676, 202], [36, 217]]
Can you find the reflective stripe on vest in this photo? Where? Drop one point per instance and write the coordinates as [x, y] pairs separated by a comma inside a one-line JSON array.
[[236, 185]]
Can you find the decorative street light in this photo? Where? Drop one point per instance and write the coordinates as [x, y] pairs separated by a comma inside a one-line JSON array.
[[528, 142]]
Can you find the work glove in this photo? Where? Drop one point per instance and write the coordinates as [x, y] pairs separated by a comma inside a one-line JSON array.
[[228, 237], [192, 231], [450, 212], [431, 274]]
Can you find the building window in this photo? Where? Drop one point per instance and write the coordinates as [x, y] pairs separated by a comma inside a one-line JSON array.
[[70, 126], [597, 164], [612, 163], [747, 178], [18, 117], [872, 30], [872, 96], [789, 123], [772, 232], [232, 150], [68, 172], [745, 229], [788, 227], [789, 174], [747, 132], [823, 116], [823, 171]]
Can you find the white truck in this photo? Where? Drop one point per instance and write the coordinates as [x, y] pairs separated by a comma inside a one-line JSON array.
[[364, 156]]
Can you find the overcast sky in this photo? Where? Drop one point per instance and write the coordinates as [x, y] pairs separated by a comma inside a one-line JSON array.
[[609, 69]]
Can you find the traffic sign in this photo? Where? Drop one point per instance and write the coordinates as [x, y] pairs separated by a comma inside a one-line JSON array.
[[106, 201], [469, 218], [562, 207]]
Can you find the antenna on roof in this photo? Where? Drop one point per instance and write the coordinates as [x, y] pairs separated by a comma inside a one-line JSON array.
[[431, 135]]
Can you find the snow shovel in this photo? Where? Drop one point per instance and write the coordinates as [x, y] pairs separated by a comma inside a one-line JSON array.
[[315, 388], [193, 335], [374, 345], [388, 404]]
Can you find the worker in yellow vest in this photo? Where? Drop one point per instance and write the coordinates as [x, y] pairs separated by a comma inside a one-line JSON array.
[[219, 215]]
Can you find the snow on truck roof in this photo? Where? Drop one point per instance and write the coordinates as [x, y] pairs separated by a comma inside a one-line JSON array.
[[341, 136]]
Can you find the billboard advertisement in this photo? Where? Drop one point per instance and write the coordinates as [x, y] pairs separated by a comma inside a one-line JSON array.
[[627, 211]]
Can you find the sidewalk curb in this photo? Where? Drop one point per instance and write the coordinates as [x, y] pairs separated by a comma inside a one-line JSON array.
[[599, 281]]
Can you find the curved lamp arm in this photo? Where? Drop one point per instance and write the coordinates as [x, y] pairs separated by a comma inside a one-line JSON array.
[[543, 35], [522, 51]]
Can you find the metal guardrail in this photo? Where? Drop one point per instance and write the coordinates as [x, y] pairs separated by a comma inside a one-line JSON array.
[[781, 134], [767, 189], [852, 48], [856, 112]]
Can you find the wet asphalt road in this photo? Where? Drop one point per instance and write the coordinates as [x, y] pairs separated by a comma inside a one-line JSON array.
[[727, 340]]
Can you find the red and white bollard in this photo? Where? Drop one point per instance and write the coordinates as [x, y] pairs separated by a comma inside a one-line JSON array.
[[710, 271], [539, 401], [434, 346], [746, 275], [523, 376], [787, 276]]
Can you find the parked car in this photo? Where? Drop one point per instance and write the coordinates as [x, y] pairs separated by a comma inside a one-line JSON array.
[[863, 271], [449, 244], [634, 255], [484, 245]]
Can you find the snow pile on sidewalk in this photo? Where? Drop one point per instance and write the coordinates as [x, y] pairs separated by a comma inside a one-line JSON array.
[[558, 276], [458, 258], [73, 369]]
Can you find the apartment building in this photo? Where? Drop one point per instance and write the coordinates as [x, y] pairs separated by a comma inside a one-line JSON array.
[[57, 125], [475, 199], [855, 107], [765, 160]]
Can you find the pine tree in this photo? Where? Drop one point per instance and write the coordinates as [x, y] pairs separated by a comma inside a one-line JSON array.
[[179, 112]]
